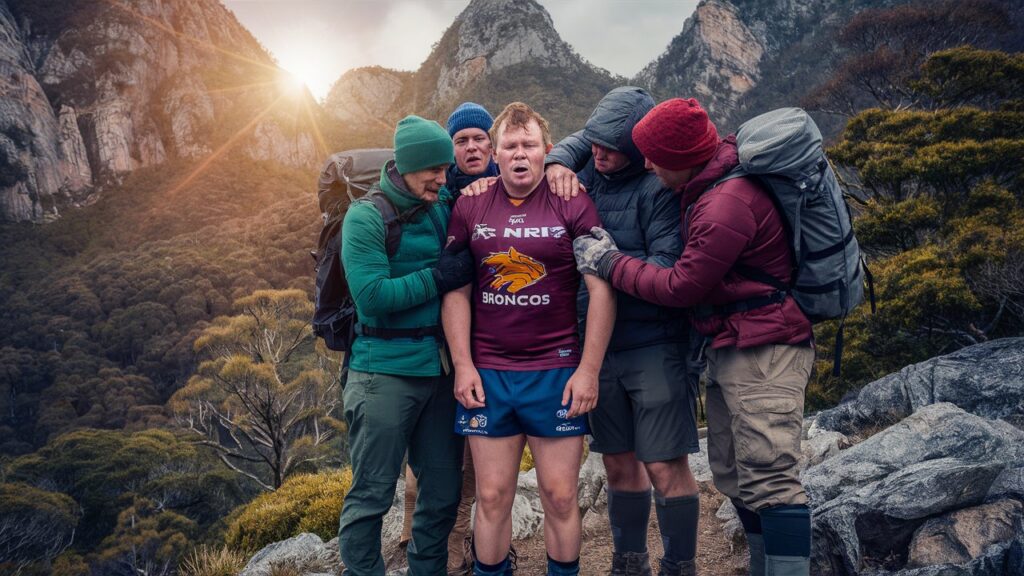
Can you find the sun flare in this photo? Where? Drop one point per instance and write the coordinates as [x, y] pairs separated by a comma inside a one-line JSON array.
[[290, 83], [305, 65]]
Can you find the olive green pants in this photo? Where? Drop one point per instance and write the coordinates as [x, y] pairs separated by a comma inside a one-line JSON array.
[[388, 415]]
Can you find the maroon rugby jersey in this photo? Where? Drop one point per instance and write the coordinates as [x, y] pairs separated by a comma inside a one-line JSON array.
[[524, 303]]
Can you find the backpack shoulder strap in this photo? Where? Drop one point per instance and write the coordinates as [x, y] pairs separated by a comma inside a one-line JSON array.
[[390, 216]]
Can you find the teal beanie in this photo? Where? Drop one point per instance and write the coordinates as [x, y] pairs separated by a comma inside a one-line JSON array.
[[420, 144]]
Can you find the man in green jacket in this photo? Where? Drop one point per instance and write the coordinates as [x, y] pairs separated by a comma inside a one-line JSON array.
[[399, 395]]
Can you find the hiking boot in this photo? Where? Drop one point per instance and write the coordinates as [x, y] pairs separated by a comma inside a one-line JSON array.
[[631, 564], [684, 568], [460, 562]]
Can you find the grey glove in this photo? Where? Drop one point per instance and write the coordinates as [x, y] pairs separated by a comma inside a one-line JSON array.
[[595, 254]]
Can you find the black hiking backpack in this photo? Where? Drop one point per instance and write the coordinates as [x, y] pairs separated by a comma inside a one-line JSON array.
[[782, 150], [346, 177]]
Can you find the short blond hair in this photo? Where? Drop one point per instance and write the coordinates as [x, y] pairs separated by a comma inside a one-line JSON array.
[[518, 115]]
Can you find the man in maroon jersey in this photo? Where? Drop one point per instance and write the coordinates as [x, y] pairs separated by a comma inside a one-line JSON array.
[[524, 379]]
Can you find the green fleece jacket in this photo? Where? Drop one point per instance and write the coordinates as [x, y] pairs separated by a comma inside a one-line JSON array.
[[398, 292]]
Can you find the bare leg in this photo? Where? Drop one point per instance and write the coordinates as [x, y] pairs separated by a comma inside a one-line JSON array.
[[625, 472], [497, 469], [672, 478], [558, 472]]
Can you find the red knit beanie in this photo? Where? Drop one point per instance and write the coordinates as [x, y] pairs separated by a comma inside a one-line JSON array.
[[676, 135]]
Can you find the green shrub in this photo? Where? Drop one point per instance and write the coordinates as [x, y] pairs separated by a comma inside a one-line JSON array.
[[304, 503]]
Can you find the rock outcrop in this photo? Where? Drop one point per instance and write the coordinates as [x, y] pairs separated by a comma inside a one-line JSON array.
[[370, 99], [304, 554], [987, 380], [94, 90], [869, 500], [937, 485], [42, 155]]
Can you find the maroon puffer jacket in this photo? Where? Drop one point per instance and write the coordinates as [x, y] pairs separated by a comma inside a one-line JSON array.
[[733, 223]]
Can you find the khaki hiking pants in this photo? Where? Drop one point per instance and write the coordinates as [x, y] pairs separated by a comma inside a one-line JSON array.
[[755, 405]]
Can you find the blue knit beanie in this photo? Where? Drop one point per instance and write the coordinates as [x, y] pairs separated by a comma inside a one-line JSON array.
[[420, 144], [469, 115]]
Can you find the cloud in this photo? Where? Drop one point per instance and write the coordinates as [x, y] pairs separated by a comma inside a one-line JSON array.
[[624, 35]]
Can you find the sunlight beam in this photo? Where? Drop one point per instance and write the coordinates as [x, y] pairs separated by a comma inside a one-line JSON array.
[[241, 87], [223, 148], [321, 143]]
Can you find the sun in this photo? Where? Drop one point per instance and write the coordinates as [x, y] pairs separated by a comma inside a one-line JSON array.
[[290, 84], [306, 69]]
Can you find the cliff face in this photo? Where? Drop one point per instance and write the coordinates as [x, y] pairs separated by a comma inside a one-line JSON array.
[[42, 155], [716, 59], [93, 90], [740, 57], [370, 98], [744, 57]]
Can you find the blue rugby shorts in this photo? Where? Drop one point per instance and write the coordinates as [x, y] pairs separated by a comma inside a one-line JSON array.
[[521, 402]]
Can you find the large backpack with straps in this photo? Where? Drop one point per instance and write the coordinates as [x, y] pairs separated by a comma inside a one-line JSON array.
[[346, 177], [782, 150]]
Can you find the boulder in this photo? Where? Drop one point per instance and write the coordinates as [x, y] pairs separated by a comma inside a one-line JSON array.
[[820, 444], [934, 432], [699, 462], [869, 500], [963, 535], [1009, 484], [593, 478], [731, 525], [986, 379], [527, 511], [306, 553]]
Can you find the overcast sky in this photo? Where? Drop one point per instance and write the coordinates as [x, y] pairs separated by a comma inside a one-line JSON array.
[[318, 40]]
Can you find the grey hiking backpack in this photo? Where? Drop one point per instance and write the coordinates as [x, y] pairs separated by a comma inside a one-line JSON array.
[[782, 150], [346, 177]]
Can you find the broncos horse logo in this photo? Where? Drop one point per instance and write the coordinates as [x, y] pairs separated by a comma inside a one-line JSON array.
[[514, 270]]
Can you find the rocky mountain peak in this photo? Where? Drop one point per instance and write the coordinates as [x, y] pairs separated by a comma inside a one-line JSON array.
[[507, 32], [490, 36]]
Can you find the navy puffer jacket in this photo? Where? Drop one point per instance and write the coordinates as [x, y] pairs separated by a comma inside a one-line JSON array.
[[641, 215]]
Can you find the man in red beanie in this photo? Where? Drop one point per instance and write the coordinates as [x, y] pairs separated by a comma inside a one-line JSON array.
[[760, 353]]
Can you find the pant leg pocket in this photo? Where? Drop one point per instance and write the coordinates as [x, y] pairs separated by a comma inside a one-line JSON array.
[[766, 428]]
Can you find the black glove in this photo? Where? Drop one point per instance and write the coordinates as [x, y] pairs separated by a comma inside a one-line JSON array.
[[454, 270]]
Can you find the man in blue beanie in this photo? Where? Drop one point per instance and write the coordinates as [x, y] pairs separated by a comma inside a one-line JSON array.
[[468, 127]]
